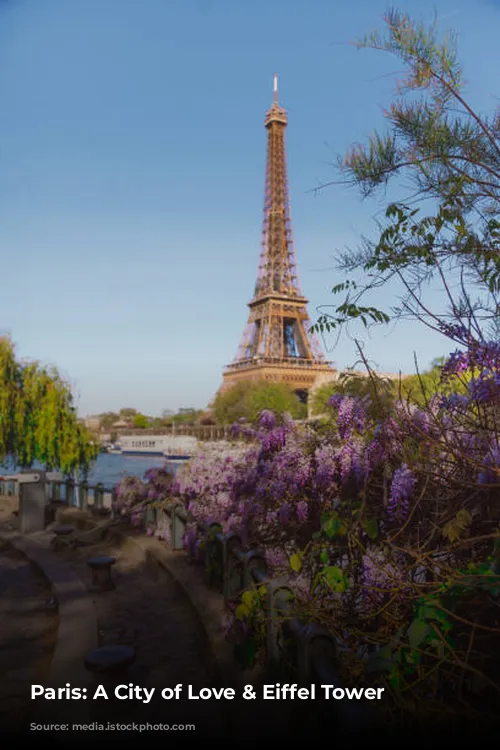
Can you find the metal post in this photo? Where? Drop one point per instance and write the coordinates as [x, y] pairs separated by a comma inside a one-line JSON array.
[[230, 542], [178, 527], [252, 559], [70, 492], [84, 495], [114, 498], [277, 591], [32, 501], [151, 517], [98, 495]]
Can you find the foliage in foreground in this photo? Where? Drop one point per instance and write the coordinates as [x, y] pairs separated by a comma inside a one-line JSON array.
[[38, 421], [388, 526], [446, 234], [383, 392], [388, 531]]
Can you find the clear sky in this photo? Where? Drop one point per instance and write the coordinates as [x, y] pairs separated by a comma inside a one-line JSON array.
[[132, 154]]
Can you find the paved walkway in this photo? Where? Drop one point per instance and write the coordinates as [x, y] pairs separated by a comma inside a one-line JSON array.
[[147, 610], [28, 630]]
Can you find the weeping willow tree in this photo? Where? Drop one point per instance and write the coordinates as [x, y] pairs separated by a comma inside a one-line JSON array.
[[38, 421]]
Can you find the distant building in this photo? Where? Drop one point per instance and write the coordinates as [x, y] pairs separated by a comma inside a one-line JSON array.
[[92, 422], [120, 424]]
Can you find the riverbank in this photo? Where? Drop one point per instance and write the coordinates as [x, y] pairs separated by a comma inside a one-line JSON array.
[[110, 468]]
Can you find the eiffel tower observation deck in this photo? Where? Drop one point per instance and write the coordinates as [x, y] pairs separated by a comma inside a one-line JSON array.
[[277, 343]]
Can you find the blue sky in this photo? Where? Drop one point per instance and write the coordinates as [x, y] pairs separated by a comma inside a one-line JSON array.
[[132, 154]]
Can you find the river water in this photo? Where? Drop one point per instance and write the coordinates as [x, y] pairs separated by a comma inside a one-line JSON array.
[[110, 468]]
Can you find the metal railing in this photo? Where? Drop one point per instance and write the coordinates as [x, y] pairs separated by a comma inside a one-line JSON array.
[[259, 361], [73, 494], [234, 568], [204, 433]]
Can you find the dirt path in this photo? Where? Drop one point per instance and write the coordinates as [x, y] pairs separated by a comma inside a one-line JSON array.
[[146, 610], [28, 629]]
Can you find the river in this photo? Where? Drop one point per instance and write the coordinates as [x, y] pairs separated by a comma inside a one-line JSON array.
[[109, 468]]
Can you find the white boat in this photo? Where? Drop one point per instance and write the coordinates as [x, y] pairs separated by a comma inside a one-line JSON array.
[[171, 447]]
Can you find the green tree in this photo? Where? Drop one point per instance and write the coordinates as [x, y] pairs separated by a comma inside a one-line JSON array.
[[380, 391], [127, 413], [420, 388], [108, 419], [446, 231], [38, 420], [141, 421], [185, 416], [248, 399]]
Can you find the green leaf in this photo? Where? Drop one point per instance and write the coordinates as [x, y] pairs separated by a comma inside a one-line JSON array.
[[248, 598], [335, 579], [370, 526], [454, 529], [430, 612], [241, 612], [245, 654], [418, 632], [324, 557], [380, 661], [395, 680], [296, 563], [333, 526]]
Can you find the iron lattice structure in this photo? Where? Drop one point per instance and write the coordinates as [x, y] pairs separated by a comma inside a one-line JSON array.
[[277, 343]]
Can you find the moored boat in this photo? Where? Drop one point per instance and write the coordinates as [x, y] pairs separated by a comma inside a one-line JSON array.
[[172, 448]]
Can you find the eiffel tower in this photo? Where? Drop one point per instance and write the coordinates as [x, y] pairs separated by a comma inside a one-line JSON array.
[[277, 344]]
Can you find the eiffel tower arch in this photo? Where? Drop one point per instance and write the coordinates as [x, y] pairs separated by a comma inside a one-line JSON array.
[[277, 344]]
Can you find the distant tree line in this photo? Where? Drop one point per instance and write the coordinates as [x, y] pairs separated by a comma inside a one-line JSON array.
[[135, 419], [246, 400]]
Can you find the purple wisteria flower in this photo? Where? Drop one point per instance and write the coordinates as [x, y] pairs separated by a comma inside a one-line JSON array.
[[302, 511], [486, 387], [274, 440], [326, 468], [490, 474], [351, 414], [375, 453], [267, 419], [284, 514], [379, 576], [189, 542], [455, 401], [275, 558], [402, 487], [456, 331], [478, 355], [351, 460], [335, 400]]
